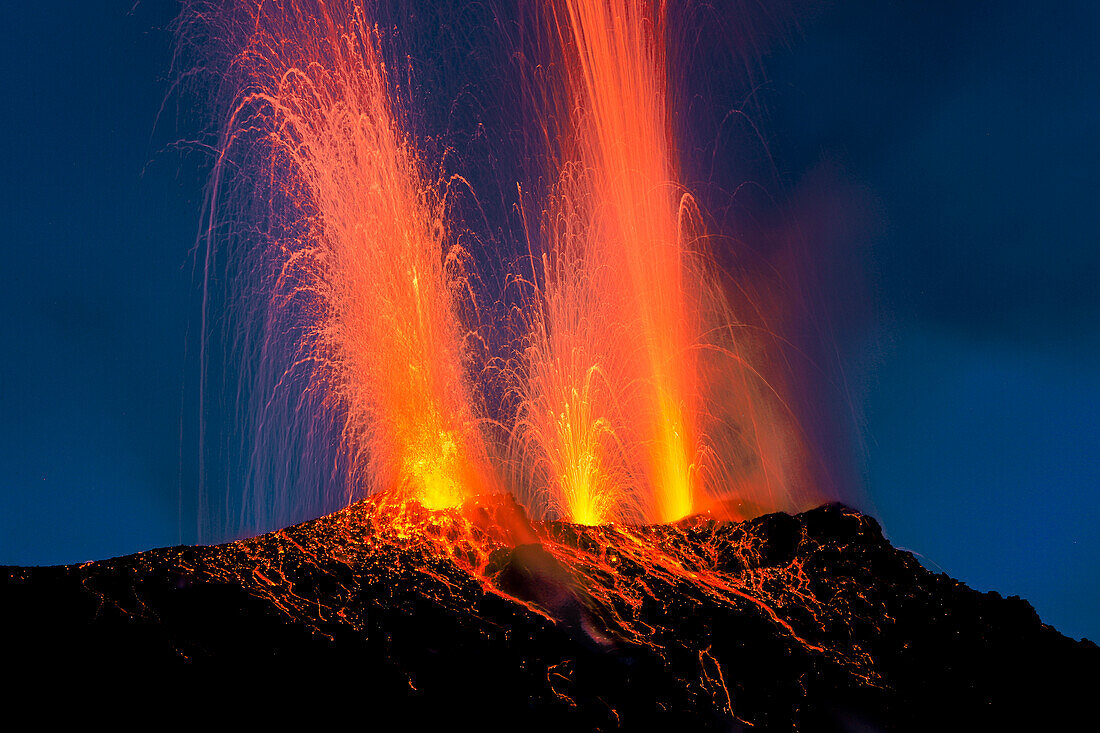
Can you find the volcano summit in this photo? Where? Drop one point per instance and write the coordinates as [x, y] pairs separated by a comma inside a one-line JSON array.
[[810, 622]]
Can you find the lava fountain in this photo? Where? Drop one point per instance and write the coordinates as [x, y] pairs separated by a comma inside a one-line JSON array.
[[330, 240], [615, 73], [639, 397], [351, 269]]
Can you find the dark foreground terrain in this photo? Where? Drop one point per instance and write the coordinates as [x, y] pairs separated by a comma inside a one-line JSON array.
[[481, 621]]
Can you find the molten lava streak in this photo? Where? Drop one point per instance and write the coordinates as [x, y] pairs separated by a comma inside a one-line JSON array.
[[361, 272]]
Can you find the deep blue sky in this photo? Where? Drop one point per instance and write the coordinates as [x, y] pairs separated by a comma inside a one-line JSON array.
[[941, 158]]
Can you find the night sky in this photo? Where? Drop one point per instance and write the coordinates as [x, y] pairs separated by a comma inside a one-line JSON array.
[[941, 159]]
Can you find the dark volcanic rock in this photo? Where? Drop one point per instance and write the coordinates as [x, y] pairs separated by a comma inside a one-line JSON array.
[[811, 622]]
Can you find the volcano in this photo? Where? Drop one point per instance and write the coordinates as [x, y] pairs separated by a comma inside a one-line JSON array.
[[810, 622]]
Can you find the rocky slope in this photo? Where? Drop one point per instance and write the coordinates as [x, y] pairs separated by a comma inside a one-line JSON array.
[[810, 622]]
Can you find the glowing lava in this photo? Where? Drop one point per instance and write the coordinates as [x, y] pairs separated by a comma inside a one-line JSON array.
[[643, 399], [637, 403], [640, 399], [616, 73], [611, 385], [362, 279]]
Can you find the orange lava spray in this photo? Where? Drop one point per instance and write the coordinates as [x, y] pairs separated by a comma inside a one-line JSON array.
[[610, 386], [364, 287], [642, 396], [617, 76], [573, 380]]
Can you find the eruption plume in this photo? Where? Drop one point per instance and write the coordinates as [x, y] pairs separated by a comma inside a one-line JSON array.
[[635, 368], [353, 272], [330, 241], [617, 78]]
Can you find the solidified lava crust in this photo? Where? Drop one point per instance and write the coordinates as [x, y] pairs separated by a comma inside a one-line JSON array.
[[808, 622]]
